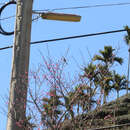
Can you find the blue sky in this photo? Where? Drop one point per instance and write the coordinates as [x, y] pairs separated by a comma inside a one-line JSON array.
[[93, 20]]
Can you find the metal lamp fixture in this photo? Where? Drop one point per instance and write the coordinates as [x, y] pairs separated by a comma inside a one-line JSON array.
[[61, 17]]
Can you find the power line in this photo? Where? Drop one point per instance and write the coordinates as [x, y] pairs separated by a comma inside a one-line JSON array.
[[2, 3], [71, 37], [7, 17], [33, 19], [81, 7], [2, 31], [79, 36], [6, 47], [36, 18]]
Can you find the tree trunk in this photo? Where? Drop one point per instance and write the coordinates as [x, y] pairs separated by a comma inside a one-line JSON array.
[[104, 98], [117, 94]]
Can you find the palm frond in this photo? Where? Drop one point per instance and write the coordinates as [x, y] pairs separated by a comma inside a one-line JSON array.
[[127, 37], [97, 57], [118, 59], [127, 40]]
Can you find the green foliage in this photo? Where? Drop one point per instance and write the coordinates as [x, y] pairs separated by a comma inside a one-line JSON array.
[[119, 82], [51, 108], [90, 71], [85, 97], [101, 74], [108, 56], [127, 37]]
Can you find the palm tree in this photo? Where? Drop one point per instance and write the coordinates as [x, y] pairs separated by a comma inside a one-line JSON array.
[[89, 71], [104, 81], [90, 74], [127, 41], [83, 98], [119, 82], [107, 58]]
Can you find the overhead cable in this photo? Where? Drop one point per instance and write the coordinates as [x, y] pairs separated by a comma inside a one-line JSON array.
[[81, 7], [33, 19], [2, 31], [2, 3], [7, 17], [71, 37], [3, 48]]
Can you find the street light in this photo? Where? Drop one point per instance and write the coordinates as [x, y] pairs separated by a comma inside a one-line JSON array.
[[61, 17]]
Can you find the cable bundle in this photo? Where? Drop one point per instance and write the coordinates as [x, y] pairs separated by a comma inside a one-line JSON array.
[[2, 31]]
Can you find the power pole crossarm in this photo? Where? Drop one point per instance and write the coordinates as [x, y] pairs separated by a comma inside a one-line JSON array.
[[20, 65]]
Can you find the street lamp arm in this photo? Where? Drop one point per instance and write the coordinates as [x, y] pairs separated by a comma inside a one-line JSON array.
[[61, 17]]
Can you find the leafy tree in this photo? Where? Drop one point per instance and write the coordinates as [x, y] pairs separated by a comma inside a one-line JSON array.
[[107, 56], [89, 71], [89, 84], [51, 108], [104, 81], [85, 97], [63, 101], [119, 82], [107, 59]]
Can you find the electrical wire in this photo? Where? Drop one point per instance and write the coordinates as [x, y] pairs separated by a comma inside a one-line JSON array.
[[7, 17], [36, 18], [33, 19], [6, 47], [2, 3], [81, 7], [2, 31], [71, 37]]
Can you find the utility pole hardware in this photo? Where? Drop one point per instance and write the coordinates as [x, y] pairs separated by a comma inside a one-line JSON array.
[[20, 64]]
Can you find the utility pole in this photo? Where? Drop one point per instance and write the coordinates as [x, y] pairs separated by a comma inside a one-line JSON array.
[[128, 43], [20, 64]]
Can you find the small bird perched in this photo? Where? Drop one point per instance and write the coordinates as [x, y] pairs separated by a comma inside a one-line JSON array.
[[64, 60]]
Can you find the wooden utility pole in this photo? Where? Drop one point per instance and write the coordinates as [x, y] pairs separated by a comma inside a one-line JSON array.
[[20, 64]]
